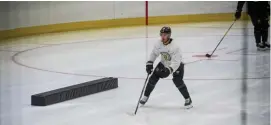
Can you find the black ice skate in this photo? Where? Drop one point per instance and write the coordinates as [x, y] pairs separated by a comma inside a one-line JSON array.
[[188, 103], [260, 46], [267, 45], [143, 100]]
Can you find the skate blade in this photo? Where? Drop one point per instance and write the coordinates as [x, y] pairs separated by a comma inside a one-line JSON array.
[[189, 106]]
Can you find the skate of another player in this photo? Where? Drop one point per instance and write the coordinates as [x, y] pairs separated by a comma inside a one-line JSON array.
[[54, 61]]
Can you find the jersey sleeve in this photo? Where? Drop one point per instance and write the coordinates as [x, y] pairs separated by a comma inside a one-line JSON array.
[[154, 53], [176, 59]]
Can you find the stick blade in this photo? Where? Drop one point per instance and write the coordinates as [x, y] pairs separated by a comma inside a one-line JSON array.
[[208, 55], [204, 56], [130, 113]]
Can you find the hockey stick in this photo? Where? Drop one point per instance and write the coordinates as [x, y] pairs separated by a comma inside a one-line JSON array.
[[209, 55], [141, 94]]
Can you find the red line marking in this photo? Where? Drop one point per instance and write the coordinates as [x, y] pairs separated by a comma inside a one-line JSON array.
[[203, 56], [146, 13]]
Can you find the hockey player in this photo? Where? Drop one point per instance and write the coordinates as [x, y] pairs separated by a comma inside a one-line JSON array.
[[171, 63], [259, 13]]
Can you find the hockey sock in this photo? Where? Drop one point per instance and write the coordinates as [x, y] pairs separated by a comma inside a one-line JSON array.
[[148, 90], [184, 91], [257, 35], [264, 33], [179, 83], [151, 84]]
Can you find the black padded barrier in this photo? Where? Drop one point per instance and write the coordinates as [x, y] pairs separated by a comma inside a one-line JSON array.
[[74, 91]]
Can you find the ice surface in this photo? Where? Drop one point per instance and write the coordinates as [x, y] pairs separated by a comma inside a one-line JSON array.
[[58, 60]]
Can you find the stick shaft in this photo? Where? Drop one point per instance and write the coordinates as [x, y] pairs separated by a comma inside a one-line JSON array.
[[141, 93], [223, 38]]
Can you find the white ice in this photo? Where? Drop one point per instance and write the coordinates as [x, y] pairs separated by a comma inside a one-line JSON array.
[[36, 64]]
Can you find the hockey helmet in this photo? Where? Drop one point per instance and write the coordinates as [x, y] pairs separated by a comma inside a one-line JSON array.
[[165, 29]]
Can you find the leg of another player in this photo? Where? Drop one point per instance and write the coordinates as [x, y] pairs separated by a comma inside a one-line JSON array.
[[151, 84], [264, 31], [256, 21], [179, 83]]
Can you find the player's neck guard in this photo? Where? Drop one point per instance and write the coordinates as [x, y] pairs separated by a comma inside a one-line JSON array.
[[168, 42]]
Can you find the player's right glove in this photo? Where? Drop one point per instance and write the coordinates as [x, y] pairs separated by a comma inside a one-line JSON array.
[[237, 14], [149, 67]]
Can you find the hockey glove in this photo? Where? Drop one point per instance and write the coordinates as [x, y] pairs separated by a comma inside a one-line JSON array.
[[165, 72], [149, 67], [237, 15]]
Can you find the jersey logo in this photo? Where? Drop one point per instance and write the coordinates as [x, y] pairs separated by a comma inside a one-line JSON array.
[[166, 56]]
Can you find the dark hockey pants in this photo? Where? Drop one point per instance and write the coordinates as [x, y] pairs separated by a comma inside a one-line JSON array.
[[177, 80], [261, 25]]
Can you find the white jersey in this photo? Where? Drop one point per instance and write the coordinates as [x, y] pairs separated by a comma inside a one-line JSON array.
[[170, 55]]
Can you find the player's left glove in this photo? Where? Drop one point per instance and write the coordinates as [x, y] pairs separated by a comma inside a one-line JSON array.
[[165, 72]]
